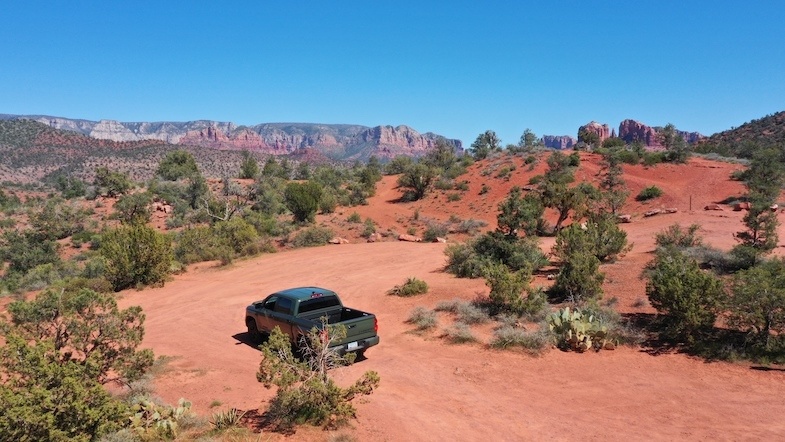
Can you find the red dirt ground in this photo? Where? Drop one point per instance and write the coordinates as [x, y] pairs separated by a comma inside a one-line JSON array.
[[432, 390]]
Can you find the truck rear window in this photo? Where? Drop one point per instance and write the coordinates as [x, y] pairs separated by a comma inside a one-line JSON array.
[[310, 305]]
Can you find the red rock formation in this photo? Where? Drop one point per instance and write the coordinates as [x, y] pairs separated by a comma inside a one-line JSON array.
[[631, 131], [602, 130], [558, 141]]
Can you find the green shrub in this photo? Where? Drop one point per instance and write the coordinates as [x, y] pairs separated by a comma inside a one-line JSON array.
[[423, 318], [369, 228], [354, 218], [302, 199], [135, 254], [652, 158], [463, 186], [675, 236], [648, 193], [433, 231], [532, 342], [444, 184], [411, 287], [312, 236], [459, 333], [453, 197], [150, 420], [484, 189], [686, 296]]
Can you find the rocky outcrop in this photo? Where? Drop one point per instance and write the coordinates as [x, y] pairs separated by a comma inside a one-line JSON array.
[[558, 141], [631, 131], [334, 141], [602, 130]]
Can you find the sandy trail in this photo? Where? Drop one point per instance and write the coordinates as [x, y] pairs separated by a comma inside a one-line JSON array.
[[431, 390]]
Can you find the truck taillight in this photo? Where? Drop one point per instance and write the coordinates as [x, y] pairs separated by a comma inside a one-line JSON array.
[[375, 325]]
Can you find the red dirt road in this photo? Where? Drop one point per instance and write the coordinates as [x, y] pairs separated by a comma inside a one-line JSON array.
[[431, 390]]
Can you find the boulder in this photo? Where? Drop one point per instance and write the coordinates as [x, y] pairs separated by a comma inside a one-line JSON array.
[[713, 207], [670, 210], [741, 206], [409, 238], [339, 240], [652, 212], [624, 218]]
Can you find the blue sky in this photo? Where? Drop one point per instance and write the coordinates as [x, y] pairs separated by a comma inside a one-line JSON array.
[[456, 68]]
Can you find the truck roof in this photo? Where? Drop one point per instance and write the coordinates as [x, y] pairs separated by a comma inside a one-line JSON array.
[[301, 293]]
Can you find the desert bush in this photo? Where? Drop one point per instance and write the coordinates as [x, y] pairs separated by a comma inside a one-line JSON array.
[[177, 164], [444, 184], [222, 420], [423, 318], [579, 278], [470, 226], [312, 236], [411, 287], [676, 236], [112, 183], [398, 165], [25, 251], [532, 342], [484, 189], [757, 304], [135, 255], [91, 326], [459, 333], [453, 197], [354, 218], [46, 399], [416, 181], [306, 393], [302, 199], [433, 231], [238, 235], [369, 228], [57, 220], [648, 193], [134, 208], [652, 158], [687, 297]]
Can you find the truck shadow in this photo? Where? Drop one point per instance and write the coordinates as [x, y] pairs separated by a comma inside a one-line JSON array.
[[243, 338]]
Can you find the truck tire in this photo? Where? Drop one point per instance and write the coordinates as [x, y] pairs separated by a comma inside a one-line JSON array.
[[253, 332]]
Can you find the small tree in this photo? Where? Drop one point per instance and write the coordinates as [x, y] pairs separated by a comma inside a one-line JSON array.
[[764, 181], [306, 393], [417, 180], [249, 167], [46, 399], [112, 183], [519, 213], [302, 199], [758, 301], [676, 149], [688, 297], [486, 143], [87, 328], [579, 278], [177, 164], [134, 208], [135, 254]]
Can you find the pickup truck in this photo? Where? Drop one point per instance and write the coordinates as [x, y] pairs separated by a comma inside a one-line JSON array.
[[298, 310]]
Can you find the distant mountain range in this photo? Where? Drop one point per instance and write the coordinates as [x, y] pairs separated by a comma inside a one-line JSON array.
[[335, 141]]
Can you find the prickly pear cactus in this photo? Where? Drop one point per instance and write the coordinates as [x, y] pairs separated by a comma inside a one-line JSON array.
[[578, 332]]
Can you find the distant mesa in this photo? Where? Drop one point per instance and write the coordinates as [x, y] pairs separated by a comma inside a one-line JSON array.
[[334, 141], [629, 130], [559, 141]]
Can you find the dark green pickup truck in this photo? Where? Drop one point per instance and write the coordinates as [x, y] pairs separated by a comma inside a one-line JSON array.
[[298, 310]]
